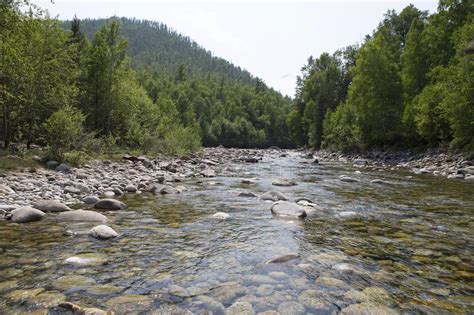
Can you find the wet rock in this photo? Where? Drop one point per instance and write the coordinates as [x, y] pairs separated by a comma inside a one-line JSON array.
[[264, 290], [102, 232], [378, 181], [347, 179], [283, 258], [284, 182], [360, 162], [331, 282], [86, 259], [130, 188], [72, 282], [50, 206], [24, 295], [368, 309], [291, 308], [228, 291], [221, 216], [79, 310], [110, 204], [348, 268], [108, 194], [346, 214], [90, 200], [240, 308], [168, 190], [177, 290], [81, 215], [129, 303], [26, 215], [212, 305], [248, 194], [314, 299], [288, 209], [303, 200], [273, 195]]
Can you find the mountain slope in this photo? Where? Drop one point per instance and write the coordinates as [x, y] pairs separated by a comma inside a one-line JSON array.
[[157, 47]]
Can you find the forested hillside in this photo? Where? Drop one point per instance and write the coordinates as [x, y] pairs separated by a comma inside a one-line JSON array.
[[410, 83], [60, 88], [156, 47]]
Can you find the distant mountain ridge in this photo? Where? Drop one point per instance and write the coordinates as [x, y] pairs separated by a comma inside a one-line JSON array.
[[157, 47]]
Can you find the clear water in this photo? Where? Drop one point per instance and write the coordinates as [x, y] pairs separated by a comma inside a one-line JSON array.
[[410, 247]]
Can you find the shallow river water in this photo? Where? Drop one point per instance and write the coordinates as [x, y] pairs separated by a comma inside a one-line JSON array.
[[409, 248]]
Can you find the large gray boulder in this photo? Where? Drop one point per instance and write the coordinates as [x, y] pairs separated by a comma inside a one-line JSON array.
[[82, 216], [26, 215], [110, 204], [102, 232], [288, 209], [273, 195], [90, 200], [50, 206]]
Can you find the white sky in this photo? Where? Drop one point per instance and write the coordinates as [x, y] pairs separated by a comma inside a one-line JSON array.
[[271, 39]]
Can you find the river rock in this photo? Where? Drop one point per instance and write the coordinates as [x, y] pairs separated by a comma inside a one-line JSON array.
[[72, 190], [63, 168], [102, 232], [86, 259], [248, 194], [284, 182], [291, 308], [168, 190], [360, 162], [367, 309], [283, 258], [331, 282], [247, 181], [208, 172], [273, 195], [81, 215], [50, 206], [288, 209], [228, 291], [26, 215], [221, 216], [78, 310], [130, 188], [240, 308], [5, 190], [347, 179], [110, 204], [90, 200], [73, 282]]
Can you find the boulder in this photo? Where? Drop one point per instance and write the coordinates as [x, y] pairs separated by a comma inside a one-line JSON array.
[[26, 215], [208, 172], [288, 209], [273, 195], [284, 182], [221, 216], [102, 232], [347, 179], [90, 200], [63, 168], [52, 164], [110, 204], [82, 215], [169, 190], [50, 206], [131, 189]]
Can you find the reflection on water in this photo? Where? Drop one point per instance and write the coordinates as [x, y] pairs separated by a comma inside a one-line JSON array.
[[406, 245]]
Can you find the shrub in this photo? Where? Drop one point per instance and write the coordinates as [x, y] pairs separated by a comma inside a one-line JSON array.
[[178, 140], [64, 131]]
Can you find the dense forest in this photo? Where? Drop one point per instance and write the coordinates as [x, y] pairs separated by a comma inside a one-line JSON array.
[[94, 85], [410, 83], [77, 89]]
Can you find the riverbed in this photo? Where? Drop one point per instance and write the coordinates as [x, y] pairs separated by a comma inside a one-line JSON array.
[[403, 244]]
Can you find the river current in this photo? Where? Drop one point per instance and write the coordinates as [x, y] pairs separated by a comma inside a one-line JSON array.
[[405, 245]]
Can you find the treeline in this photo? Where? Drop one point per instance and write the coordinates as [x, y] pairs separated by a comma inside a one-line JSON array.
[[411, 83], [61, 89]]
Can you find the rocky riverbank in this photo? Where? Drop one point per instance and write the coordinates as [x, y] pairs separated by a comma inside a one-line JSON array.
[[452, 166]]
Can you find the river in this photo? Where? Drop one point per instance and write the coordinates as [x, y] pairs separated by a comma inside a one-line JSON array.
[[403, 245]]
